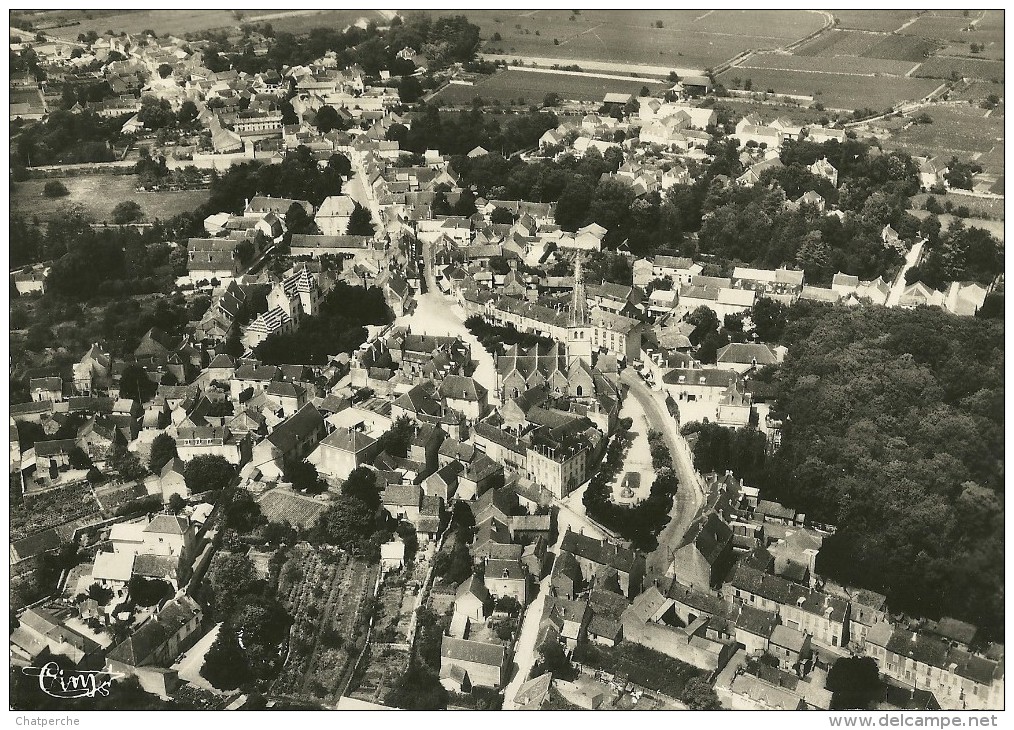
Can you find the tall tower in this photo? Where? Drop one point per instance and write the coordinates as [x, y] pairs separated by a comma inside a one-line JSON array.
[[579, 332]]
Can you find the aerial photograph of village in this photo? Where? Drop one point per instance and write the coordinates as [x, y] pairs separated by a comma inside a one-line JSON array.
[[506, 360]]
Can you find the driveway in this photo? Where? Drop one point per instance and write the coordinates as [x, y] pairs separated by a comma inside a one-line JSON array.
[[911, 259], [189, 668]]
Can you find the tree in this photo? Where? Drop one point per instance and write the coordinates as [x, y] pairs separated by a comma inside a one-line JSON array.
[[551, 99], [418, 689], [188, 112], [156, 114], [361, 484], [225, 664], [231, 577], [347, 524], [410, 90], [128, 211], [79, 459], [126, 463], [360, 222], [163, 450], [342, 165], [302, 475], [135, 384], [145, 592], [855, 683], [501, 215], [208, 473], [397, 439], [176, 504], [243, 513], [164, 69], [100, 594], [328, 119], [297, 220], [55, 189], [698, 694]]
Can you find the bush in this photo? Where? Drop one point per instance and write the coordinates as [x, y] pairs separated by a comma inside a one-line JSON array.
[[55, 189], [127, 212]]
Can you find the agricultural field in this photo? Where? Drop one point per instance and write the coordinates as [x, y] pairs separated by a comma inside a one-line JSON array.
[[991, 50], [328, 594], [771, 111], [98, 195], [838, 43], [179, 22], [964, 131], [824, 64], [884, 21], [38, 512], [996, 228], [283, 504], [838, 91], [977, 91], [950, 28], [944, 67], [512, 84], [687, 39]]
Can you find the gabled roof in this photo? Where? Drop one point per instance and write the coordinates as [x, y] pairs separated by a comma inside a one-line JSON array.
[[476, 652], [167, 525], [345, 439], [297, 427]]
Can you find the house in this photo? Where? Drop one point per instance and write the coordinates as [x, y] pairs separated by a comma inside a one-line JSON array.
[[402, 501], [823, 168], [504, 578], [705, 553], [46, 389], [113, 571], [194, 441], [471, 603], [483, 664], [342, 451], [154, 645], [743, 357], [443, 483], [292, 440], [392, 556], [334, 214], [532, 694], [960, 680], [171, 480], [599, 558], [964, 298], [568, 618], [790, 646], [42, 630], [465, 395]]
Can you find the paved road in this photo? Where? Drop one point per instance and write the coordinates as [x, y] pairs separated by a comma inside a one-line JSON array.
[[690, 495]]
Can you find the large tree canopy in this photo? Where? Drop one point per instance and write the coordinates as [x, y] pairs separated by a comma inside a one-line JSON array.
[[895, 432]]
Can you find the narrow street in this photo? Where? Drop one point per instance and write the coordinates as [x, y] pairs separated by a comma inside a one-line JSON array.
[[525, 650], [898, 288], [690, 495]]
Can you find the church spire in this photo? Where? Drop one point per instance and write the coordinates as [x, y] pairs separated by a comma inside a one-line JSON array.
[[579, 304]]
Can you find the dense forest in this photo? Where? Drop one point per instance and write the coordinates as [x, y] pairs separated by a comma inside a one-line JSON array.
[[894, 431]]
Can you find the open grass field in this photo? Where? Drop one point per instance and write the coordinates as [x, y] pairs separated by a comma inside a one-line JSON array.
[[512, 84], [190, 21], [982, 208], [991, 50], [836, 64], [98, 195], [687, 39], [884, 21], [902, 48], [281, 504], [942, 67], [838, 91]]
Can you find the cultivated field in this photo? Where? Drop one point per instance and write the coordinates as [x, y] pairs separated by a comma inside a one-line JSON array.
[[838, 43], [98, 195], [326, 592], [951, 28], [191, 21], [511, 85], [978, 91], [836, 90], [824, 64], [884, 21], [962, 131], [943, 67], [282, 504], [687, 39], [982, 208]]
